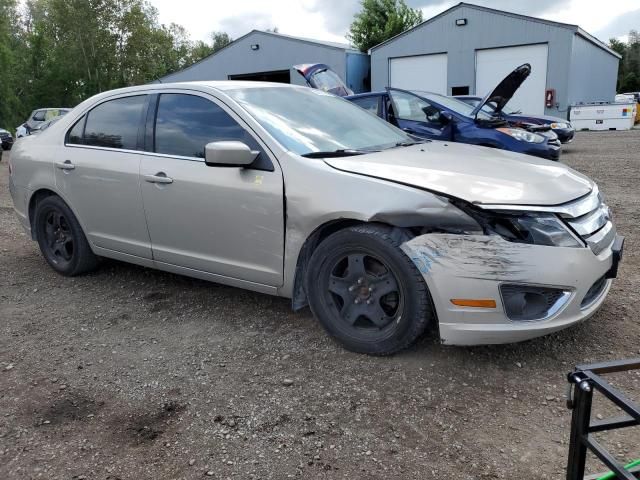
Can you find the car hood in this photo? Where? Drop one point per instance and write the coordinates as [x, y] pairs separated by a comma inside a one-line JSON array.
[[505, 90], [538, 119], [478, 175]]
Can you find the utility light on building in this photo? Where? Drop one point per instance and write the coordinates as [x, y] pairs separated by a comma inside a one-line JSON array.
[[255, 46], [461, 22]]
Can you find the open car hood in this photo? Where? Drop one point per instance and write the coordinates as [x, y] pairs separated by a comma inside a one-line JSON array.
[[478, 175], [320, 76], [505, 89]]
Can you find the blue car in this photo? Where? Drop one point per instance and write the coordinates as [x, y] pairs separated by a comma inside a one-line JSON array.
[[560, 126], [438, 117]]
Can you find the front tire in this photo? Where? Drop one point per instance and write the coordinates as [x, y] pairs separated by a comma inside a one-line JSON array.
[[61, 239], [366, 292]]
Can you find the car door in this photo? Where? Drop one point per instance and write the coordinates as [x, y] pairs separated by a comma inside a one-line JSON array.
[[228, 221], [98, 175], [416, 116]]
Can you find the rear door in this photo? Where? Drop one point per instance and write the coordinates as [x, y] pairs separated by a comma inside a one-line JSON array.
[[416, 116], [98, 175], [227, 221]]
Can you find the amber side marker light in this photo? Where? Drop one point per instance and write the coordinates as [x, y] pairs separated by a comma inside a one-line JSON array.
[[468, 302]]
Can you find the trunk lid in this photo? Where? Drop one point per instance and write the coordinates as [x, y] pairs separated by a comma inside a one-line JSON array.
[[320, 76]]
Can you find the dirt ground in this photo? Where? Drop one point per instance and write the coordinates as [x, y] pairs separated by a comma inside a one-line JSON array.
[[130, 373]]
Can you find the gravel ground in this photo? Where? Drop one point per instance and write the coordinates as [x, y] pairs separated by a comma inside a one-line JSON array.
[[130, 373]]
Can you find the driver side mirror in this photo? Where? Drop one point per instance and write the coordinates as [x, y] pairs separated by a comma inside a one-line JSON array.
[[228, 154]]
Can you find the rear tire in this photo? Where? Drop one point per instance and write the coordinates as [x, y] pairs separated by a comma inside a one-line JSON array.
[[366, 292], [61, 239]]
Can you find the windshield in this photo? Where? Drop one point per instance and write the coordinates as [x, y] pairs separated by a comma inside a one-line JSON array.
[[455, 105], [305, 120]]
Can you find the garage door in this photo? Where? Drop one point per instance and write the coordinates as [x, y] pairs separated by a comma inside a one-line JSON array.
[[420, 72], [494, 64]]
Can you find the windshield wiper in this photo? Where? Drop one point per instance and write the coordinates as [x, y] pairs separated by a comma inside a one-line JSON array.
[[408, 144], [344, 152]]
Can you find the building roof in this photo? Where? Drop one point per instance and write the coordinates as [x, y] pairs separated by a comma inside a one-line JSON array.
[[339, 46], [575, 28]]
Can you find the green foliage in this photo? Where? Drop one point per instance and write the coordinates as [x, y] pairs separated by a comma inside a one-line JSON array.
[[56, 53], [379, 20], [219, 40], [629, 70]]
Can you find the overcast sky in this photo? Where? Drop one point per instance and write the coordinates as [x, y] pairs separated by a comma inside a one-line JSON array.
[[330, 19]]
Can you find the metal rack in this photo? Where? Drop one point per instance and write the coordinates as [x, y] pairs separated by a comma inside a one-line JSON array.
[[583, 381]]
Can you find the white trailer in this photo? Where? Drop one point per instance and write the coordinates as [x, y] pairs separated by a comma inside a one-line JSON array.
[[603, 116]]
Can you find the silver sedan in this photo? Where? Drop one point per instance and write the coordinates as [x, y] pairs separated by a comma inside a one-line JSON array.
[[294, 192]]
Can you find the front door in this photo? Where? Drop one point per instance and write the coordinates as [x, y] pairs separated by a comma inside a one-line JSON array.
[[98, 176], [227, 221], [416, 116]]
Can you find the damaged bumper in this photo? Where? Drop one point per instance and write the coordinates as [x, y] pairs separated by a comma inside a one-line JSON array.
[[573, 282]]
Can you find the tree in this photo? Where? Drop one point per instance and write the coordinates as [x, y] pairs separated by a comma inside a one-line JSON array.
[[56, 53], [379, 20], [219, 40], [629, 67]]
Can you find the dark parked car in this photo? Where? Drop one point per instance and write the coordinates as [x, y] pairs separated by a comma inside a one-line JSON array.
[[560, 126], [6, 140], [438, 117]]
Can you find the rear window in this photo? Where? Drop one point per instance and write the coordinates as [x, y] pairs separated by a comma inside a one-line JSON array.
[[115, 123]]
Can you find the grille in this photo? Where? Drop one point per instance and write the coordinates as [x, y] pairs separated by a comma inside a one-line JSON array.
[[594, 293], [530, 303], [590, 218], [5, 135]]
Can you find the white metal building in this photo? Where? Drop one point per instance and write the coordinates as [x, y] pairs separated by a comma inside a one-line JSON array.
[[270, 56], [468, 49]]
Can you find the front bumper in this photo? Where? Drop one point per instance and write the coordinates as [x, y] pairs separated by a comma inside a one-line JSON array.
[[475, 266], [545, 150], [565, 135]]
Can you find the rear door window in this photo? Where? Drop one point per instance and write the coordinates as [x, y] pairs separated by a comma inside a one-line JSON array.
[[115, 123], [371, 104]]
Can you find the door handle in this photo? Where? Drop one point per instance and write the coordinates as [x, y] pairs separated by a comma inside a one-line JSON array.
[[66, 165], [408, 130], [159, 177]]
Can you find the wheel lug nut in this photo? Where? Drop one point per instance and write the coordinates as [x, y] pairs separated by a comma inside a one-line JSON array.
[[368, 302], [352, 288], [360, 281], [356, 301], [371, 289]]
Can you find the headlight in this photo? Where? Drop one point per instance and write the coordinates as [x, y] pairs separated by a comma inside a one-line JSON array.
[[557, 125], [522, 135], [532, 228]]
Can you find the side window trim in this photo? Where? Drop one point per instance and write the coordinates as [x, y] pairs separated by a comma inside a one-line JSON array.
[[149, 108], [82, 119]]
